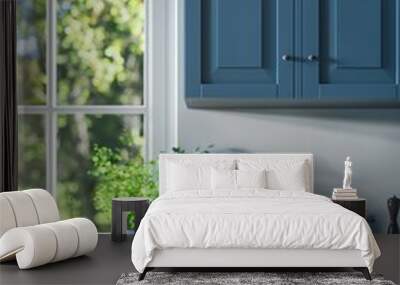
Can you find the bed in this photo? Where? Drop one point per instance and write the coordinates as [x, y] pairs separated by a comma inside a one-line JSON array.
[[247, 210]]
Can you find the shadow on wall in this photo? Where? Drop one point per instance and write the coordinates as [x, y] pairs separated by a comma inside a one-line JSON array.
[[364, 114], [324, 117]]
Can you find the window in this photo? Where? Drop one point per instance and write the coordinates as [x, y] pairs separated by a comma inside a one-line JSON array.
[[79, 83]]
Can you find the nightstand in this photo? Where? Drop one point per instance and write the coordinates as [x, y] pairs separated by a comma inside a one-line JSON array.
[[358, 206], [137, 205]]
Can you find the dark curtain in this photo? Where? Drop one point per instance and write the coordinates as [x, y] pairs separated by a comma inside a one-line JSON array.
[[8, 97]]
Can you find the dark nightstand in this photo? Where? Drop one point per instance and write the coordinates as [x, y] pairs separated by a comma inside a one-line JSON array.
[[137, 205], [358, 206]]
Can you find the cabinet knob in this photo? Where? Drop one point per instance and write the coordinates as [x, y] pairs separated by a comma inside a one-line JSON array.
[[287, 57], [312, 57]]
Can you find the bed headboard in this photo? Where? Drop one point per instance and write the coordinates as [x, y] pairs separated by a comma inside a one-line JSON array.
[[165, 158]]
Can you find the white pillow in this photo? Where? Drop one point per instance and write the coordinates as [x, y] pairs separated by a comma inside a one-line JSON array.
[[227, 179], [282, 174], [223, 179], [187, 174], [188, 177], [251, 178]]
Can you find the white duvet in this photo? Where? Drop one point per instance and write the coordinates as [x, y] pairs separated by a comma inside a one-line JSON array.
[[250, 219]]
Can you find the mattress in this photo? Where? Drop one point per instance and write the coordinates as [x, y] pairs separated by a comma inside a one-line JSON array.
[[250, 219]]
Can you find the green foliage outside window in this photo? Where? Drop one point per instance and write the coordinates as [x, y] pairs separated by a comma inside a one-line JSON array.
[[100, 51], [99, 61], [121, 172]]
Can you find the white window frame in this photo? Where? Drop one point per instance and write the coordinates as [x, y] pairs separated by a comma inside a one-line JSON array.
[[162, 72], [159, 94]]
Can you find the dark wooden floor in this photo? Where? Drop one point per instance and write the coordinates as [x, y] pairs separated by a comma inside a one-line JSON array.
[[110, 260], [389, 262], [103, 266]]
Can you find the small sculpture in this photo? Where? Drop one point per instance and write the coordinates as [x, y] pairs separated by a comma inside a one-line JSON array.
[[348, 172], [393, 206]]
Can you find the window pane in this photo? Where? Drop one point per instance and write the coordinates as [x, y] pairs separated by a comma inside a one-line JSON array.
[[77, 136], [31, 52], [31, 152], [100, 52]]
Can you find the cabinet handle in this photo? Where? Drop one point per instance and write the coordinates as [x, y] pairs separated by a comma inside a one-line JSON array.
[[287, 57], [312, 57]]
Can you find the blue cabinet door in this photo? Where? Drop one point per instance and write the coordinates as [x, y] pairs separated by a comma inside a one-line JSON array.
[[238, 52], [351, 52]]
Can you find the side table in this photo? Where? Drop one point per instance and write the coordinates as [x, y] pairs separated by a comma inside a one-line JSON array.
[[358, 205], [137, 205]]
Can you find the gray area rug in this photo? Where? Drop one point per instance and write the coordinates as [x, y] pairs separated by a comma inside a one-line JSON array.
[[273, 278]]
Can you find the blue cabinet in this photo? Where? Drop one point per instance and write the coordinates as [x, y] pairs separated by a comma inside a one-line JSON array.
[[257, 53], [237, 52], [353, 51]]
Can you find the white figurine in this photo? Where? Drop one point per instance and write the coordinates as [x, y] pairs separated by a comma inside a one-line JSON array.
[[347, 173]]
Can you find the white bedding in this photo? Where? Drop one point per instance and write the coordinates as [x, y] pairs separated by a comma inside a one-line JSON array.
[[250, 218]]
